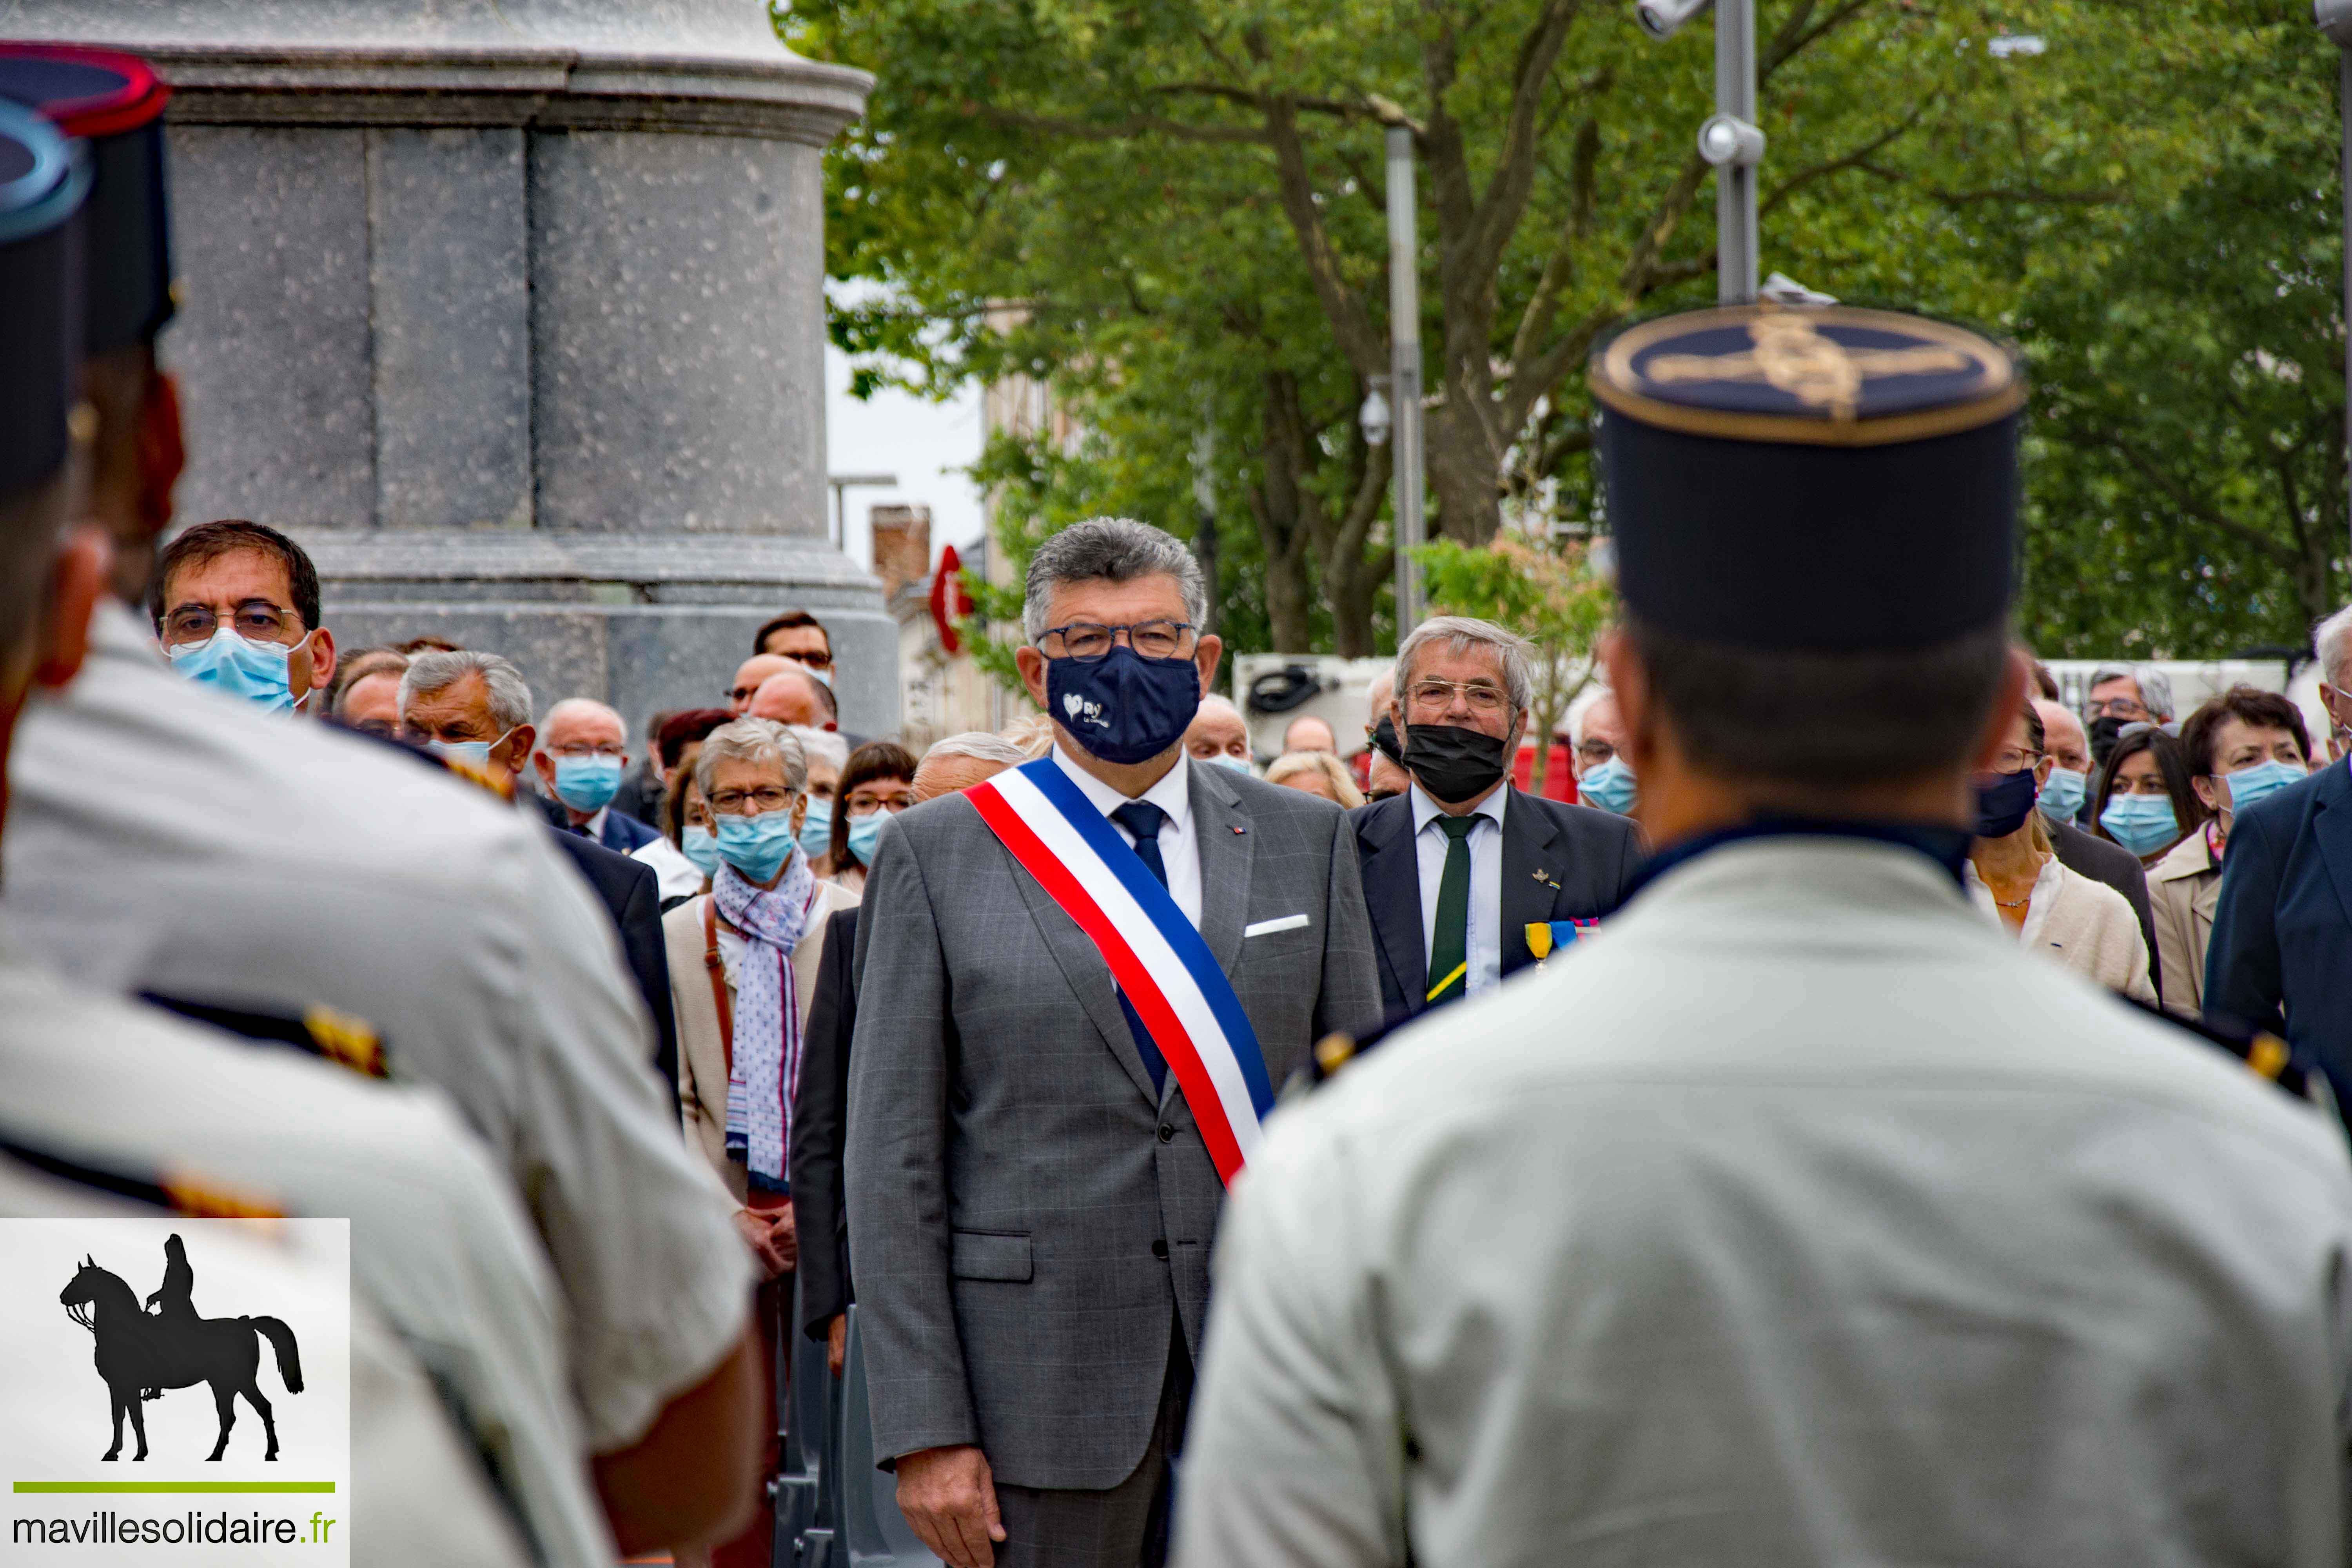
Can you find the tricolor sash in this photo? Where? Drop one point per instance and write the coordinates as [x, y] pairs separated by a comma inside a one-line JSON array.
[[1163, 968]]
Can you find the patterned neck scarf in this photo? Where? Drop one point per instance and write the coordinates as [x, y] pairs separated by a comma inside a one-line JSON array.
[[767, 1066]]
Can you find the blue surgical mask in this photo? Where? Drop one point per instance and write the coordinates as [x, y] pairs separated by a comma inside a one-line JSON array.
[[1238, 765], [2248, 785], [701, 848], [475, 755], [863, 831], [588, 784], [238, 667], [1610, 785], [817, 828], [2142, 823], [2061, 796], [757, 847], [1124, 708]]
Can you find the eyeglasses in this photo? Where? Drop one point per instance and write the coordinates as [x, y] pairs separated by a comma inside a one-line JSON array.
[[1090, 642], [1435, 696], [1593, 753], [813, 660], [2116, 708], [861, 804], [751, 802], [2016, 760], [741, 694], [580, 750], [257, 620]]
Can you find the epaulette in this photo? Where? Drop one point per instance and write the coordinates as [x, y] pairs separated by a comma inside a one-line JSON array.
[[2264, 1054], [1334, 1052], [323, 1032], [178, 1190]]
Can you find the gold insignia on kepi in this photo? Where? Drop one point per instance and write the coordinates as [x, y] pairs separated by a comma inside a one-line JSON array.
[[1826, 376], [200, 1197], [345, 1038]]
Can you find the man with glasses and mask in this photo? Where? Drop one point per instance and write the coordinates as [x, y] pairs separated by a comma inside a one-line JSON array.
[[583, 749], [1078, 983], [2123, 694], [2281, 954], [1459, 868], [236, 605]]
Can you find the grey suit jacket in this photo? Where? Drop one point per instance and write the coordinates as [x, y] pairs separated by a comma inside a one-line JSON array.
[[1028, 1218]]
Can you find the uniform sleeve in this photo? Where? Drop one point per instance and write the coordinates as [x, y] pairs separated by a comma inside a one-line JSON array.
[[1349, 1001], [1295, 1455], [895, 1165], [2241, 962], [657, 1280]]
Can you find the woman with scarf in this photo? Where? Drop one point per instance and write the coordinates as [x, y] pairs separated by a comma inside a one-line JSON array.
[[2241, 746], [743, 965], [2015, 876]]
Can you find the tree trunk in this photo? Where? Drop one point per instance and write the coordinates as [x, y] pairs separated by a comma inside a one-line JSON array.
[[1279, 500]]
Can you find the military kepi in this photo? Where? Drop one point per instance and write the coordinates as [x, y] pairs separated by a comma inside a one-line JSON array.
[[43, 181], [115, 103], [1810, 478]]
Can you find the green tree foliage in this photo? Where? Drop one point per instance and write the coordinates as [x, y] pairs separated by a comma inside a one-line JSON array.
[[1170, 213], [2187, 495]]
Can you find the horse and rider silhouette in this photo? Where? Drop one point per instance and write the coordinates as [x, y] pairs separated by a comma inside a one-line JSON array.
[[140, 1353]]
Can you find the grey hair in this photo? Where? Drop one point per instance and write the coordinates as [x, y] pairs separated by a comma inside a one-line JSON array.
[[2155, 686], [979, 746], [2332, 640], [592, 706], [1460, 633], [751, 741], [821, 745], [437, 669], [1109, 549], [1214, 700]]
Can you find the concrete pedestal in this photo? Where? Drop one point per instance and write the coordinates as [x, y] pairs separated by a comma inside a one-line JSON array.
[[512, 310]]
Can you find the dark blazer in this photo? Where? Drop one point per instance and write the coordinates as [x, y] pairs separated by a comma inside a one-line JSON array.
[[2103, 860], [2281, 957], [1560, 862], [631, 894], [821, 1127], [623, 834]]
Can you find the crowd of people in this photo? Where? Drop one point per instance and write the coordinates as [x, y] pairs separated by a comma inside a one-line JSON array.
[[1725, 1165]]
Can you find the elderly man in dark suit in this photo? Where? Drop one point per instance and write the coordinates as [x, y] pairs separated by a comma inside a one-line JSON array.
[[1034, 1184], [1458, 868], [2281, 954]]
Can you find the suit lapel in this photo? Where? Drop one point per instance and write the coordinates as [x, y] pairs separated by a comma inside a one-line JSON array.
[[1081, 964], [1531, 880], [1392, 889], [1222, 829], [2331, 825]]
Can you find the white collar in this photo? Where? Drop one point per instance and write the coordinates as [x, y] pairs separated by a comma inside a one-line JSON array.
[[1172, 794], [594, 826], [1426, 809]]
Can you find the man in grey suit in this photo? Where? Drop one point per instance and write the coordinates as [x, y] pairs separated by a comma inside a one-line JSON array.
[[1031, 1199]]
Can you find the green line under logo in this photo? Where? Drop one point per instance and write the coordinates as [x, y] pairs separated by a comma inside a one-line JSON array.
[[176, 1486]]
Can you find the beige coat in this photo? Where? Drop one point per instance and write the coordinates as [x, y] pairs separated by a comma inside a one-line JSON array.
[[701, 1054], [2085, 925], [2183, 890]]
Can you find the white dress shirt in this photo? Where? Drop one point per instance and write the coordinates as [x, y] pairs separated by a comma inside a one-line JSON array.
[[1429, 843], [1180, 851]]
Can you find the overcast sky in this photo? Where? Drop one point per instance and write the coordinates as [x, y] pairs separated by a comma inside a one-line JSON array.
[[924, 444]]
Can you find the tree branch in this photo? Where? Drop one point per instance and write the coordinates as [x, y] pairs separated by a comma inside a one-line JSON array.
[[2196, 507], [1857, 159], [1352, 324], [1134, 125]]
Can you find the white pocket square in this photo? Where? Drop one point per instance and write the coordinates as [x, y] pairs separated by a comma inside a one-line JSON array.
[[1267, 928]]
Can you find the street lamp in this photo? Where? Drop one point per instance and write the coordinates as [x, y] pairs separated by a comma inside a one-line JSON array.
[[2334, 20], [1404, 375], [1374, 415], [1730, 138], [842, 485]]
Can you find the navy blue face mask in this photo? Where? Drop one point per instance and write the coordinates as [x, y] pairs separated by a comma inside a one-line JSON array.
[[2003, 805], [1124, 708]]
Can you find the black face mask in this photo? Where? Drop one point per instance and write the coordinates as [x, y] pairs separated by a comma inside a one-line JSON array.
[[1384, 739], [1452, 764], [2105, 730], [2003, 805]]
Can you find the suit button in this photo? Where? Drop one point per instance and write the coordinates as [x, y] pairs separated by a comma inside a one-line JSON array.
[[1167, 1133], [1160, 1248]]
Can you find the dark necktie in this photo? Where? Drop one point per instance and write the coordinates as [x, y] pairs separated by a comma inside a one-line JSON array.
[[1449, 944], [1144, 820]]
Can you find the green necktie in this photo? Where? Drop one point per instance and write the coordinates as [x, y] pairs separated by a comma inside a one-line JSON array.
[[1449, 945]]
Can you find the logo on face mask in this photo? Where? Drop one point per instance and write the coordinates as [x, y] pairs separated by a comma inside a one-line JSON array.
[[1077, 708], [1132, 707]]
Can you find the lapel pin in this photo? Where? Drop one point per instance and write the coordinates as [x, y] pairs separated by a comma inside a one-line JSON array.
[[1240, 830]]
